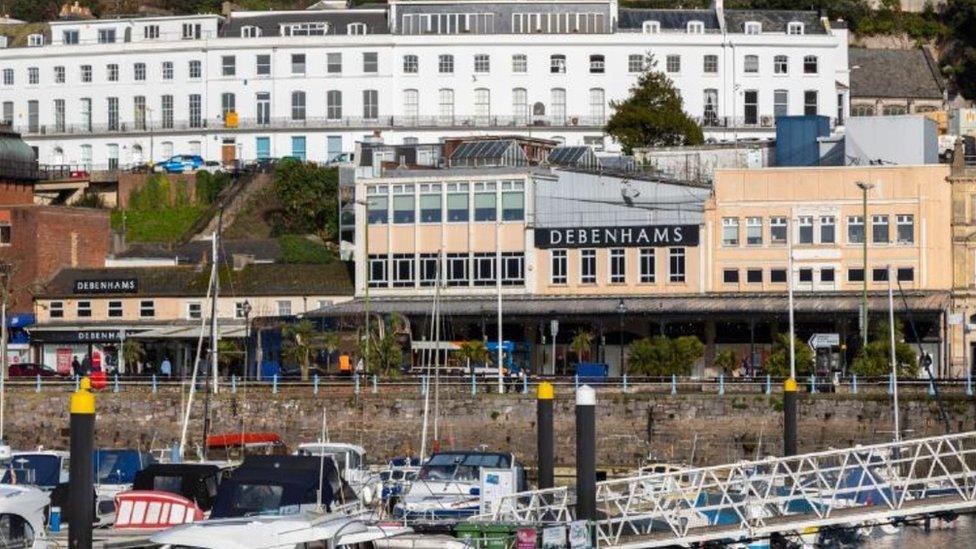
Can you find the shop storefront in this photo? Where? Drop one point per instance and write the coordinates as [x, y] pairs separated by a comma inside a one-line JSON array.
[[57, 348]]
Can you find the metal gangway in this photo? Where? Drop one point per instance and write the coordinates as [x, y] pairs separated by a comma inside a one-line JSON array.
[[788, 496]]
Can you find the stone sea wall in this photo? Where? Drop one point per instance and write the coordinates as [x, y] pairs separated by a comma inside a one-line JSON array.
[[699, 427]]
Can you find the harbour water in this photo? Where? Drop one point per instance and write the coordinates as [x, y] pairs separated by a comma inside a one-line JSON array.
[[963, 534]]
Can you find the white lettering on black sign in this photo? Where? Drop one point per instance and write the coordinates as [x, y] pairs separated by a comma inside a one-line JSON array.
[[114, 286], [605, 237]]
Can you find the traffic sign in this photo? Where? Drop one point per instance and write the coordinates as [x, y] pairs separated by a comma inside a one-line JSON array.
[[553, 327], [824, 341]]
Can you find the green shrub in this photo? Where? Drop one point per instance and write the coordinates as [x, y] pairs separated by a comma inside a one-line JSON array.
[[662, 356], [778, 363]]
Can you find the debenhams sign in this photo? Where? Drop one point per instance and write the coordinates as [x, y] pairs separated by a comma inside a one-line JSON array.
[[114, 286], [617, 237]]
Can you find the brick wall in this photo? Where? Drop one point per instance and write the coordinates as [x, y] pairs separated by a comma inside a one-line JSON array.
[[16, 192], [45, 239], [630, 427], [129, 182]]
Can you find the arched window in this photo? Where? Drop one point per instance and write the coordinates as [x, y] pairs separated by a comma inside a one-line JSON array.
[[598, 106], [558, 96], [137, 157], [411, 106], [57, 156], [520, 106], [445, 106], [482, 106]]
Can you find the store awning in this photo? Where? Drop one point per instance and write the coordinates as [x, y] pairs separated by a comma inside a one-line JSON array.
[[678, 305], [192, 332]]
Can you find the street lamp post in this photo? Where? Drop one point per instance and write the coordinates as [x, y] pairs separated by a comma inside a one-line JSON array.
[[621, 310], [865, 187]]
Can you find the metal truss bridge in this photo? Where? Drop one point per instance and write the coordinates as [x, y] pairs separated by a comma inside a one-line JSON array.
[[863, 485]]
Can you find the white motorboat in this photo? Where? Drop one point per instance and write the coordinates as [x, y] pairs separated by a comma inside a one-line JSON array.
[[306, 529], [22, 516], [448, 486], [350, 459], [45, 469]]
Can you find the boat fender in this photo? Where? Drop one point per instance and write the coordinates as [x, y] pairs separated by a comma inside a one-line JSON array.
[[367, 495]]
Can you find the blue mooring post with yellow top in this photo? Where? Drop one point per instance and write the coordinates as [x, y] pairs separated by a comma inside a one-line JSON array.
[[790, 397], [81, 490], [545, 441]]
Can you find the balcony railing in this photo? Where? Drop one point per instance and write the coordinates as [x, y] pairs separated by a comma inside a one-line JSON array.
[[384, 122], [434, 122]]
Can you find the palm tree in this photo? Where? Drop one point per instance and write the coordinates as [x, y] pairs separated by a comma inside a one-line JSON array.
[[302, 341], [473, 351], [581, 344], [133, 353]]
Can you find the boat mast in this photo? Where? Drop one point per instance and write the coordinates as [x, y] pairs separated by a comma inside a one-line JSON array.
[[894, 361], [193, 377], [215, 284], [437, 361], [435, 311]]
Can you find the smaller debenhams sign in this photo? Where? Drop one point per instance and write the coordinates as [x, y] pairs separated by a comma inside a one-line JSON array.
[[610, 237], [114, 286]]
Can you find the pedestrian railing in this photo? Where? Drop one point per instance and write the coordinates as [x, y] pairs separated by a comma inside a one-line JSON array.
[[363, 384]]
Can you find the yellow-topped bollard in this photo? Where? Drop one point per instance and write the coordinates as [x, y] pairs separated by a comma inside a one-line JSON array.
[[545, 438], [789, 417], [81, 489]]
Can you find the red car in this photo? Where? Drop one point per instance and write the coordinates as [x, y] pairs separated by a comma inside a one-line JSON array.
[[29, 369]]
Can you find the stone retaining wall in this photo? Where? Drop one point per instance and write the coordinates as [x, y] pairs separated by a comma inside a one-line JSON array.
[[705, 428]]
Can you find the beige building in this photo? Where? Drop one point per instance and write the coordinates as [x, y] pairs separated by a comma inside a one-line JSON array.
[[963, 318], [89, 312], [626, 256]]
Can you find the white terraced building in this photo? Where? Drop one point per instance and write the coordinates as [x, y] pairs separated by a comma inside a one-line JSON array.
[[311, 83]]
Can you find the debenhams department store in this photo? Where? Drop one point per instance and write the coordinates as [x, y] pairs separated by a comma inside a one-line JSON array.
[[627, 257]]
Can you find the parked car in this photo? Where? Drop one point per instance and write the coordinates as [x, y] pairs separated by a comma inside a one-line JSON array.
[[181, 163], [212, 166], [29, 369]]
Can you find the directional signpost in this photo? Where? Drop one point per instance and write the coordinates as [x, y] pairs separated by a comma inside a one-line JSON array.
[[824, 341]]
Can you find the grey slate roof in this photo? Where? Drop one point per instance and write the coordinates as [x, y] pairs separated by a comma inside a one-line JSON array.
[[767, 303], [670, 19], [270, 279], [262, 249], [910, 74], [270, 24], [773, 20]]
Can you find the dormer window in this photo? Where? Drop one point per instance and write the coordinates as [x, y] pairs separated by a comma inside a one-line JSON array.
[[696, 27], [35, 40], [356, 28], [250, 31], [652, 27], [753, 27], [794, 27], [305, 29]]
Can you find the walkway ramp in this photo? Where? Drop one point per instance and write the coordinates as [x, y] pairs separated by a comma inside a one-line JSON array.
[[754, 499]]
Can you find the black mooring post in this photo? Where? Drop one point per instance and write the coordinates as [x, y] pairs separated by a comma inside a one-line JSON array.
[[586, 453], [544, 435], [81, 487], [790, 398]]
